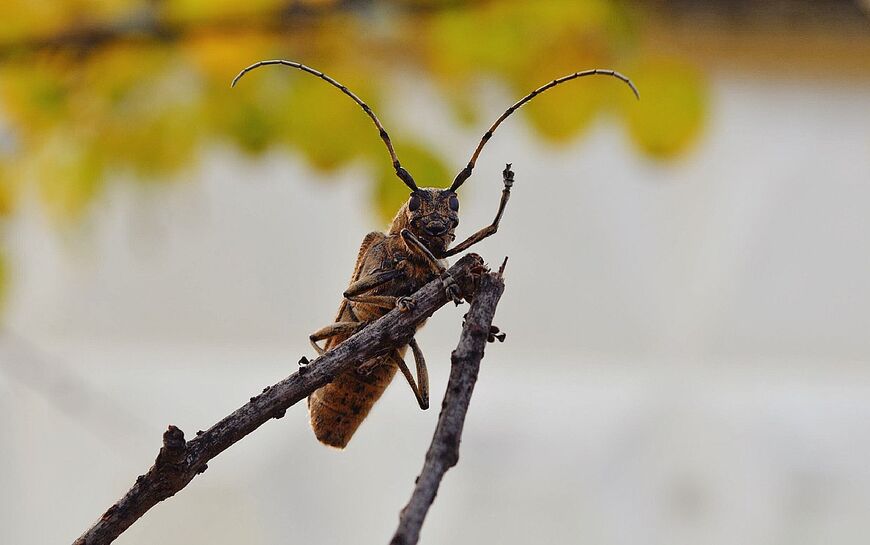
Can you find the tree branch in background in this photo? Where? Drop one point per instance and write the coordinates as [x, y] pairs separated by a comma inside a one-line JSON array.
[[443, 452], [179, 461]]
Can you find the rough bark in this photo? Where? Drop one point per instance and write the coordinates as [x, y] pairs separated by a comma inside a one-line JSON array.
[[443, 452], [179, 461]]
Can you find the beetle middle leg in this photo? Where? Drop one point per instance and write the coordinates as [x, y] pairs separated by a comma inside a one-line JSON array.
[[337, 328], [388, 302], [356, 291], [353, 293]]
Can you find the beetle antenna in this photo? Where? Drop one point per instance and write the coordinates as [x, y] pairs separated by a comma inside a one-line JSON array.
[[466, 172], [403, 174]]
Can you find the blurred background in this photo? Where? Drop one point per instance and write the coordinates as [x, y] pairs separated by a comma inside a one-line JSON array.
[[688, 294]]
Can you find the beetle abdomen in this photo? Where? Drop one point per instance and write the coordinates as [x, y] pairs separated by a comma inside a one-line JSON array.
[[338, 408]]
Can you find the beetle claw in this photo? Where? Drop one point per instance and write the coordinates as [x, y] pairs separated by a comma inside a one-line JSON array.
[[404, 304], [452, 289]]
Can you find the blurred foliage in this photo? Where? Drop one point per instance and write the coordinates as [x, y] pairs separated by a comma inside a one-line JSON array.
[[4, 280], [92, 88], [669, 118], [429, 170]]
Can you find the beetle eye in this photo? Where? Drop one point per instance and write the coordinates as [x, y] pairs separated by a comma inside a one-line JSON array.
[[453, 203], [414, 203]]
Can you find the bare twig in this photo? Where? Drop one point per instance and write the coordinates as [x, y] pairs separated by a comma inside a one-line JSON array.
[[179, 461], [443, 452]]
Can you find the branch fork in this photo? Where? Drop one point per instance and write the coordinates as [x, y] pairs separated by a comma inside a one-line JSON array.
[[180, 461]]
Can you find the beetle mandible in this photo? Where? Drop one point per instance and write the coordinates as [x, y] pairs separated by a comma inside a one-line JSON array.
[[392, 266]]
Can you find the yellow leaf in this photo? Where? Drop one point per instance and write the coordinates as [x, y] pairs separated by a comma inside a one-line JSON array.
[[564, 111], [7, 193], [4, 281], [672, 110], [153, 141], [220, 56], [327, 126], [70, 174], [502, 37], [176, 11], [36, 94]]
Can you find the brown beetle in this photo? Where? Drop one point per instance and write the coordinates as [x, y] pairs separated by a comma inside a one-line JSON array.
[[392, 266]]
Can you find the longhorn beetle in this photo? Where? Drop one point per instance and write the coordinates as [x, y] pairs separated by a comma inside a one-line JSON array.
[[393, 265]]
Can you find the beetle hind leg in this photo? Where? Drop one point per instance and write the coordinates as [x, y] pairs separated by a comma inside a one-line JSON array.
[[420, 387]]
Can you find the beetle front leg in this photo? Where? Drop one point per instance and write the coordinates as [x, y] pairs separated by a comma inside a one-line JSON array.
[[416, 245], [450, 287], [508, 179]]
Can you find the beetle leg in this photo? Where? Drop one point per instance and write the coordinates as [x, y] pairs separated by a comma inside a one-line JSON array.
[[450, 287], [422, 372], [389, 302], [367, 367], [355, 291], [337, 328], [404, 304], [420, 387], [417, 245], [381, 301], [371, 281], [508, 179]]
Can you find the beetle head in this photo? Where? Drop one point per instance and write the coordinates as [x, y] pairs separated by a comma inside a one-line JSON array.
[[432, 214]]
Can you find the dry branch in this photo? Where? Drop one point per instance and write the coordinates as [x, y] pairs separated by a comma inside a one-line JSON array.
[[443, 452], [179, 461]]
